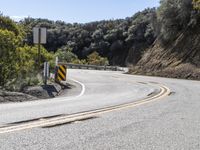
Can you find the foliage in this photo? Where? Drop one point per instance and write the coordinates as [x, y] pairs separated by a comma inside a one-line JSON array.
[[18, 61], [173, 17], [114, 42], [7, 24], [64, 54], [85, 39], [24, 67], [95, 59], [8, 66], [28, 57], [196, 4]]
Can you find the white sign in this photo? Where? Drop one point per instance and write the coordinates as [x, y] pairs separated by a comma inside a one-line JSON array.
[[39, 34], [56, 61], [46, 69]]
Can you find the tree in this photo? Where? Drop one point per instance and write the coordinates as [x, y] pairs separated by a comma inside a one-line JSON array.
[[95, 59], [7, 24], [97, 36], [64, 54], [8, 58], [196, 4], [173, 16]]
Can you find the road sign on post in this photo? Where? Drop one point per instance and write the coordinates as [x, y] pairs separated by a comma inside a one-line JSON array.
[[61, 73], [39, 37]]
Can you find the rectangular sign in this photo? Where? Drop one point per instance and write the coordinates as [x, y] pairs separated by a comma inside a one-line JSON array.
[[62, 73], [46, 69], [39, 34], [35, 35]]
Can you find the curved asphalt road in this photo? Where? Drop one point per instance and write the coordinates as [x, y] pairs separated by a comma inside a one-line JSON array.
[[96, 89], [170, 123]]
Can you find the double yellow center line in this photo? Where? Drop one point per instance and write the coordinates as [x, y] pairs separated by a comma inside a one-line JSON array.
[[164, 91]]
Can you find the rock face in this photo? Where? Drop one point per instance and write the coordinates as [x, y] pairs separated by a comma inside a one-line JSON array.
[[31, 93], [44, 91], [15, 97]]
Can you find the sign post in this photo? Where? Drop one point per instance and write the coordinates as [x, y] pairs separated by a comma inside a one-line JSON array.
[[39, 42], [39, 37]]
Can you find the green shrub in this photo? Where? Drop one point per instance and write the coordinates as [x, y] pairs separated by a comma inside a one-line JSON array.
[[173, 17], [196, 4], [7, 24], [65, 56], [8, 66], [95, 59]]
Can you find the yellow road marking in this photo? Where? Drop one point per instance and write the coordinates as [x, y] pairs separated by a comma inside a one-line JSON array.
[[164, 91]]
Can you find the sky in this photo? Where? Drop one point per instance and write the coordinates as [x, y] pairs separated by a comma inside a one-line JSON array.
[[71, 11]]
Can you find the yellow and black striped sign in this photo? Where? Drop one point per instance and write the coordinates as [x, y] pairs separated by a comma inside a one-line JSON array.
[[61, 74]]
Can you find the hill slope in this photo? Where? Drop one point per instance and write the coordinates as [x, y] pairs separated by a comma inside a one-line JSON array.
[[162, 41], [180, 59], [176, 52]]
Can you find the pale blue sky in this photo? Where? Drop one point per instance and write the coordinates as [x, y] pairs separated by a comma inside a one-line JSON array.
[[71, 11]]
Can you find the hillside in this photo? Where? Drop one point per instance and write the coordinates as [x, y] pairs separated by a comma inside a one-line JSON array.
[[176, 52], [161, 41], [114, 39], [180, 59]]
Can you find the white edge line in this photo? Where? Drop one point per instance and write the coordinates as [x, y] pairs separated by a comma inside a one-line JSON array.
[[45, 101], [82, 87]]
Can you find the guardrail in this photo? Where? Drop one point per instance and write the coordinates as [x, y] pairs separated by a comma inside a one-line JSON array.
[[93, 67]]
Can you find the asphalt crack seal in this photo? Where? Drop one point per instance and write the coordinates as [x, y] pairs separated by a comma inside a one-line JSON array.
[[52, 121], [69, 122]]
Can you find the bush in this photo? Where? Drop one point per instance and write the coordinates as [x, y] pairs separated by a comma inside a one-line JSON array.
[[196, 4], [7, 24], [65, 56], [28, 56], [173, 16], [95, 59], [20, 63], [8, 66]]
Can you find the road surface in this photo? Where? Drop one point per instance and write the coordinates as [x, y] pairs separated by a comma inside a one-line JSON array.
[[171, 121]]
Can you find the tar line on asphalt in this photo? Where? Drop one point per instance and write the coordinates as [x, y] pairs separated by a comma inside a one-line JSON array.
[[64, 119]]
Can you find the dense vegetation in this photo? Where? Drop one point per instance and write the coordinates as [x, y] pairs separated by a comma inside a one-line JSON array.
[[122, 41], [18, 60], [176, 52], [115, 42], [196, 4], [174, 17], [113, 39]]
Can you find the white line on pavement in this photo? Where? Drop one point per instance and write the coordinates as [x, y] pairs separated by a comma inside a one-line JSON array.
[[82, 87]]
